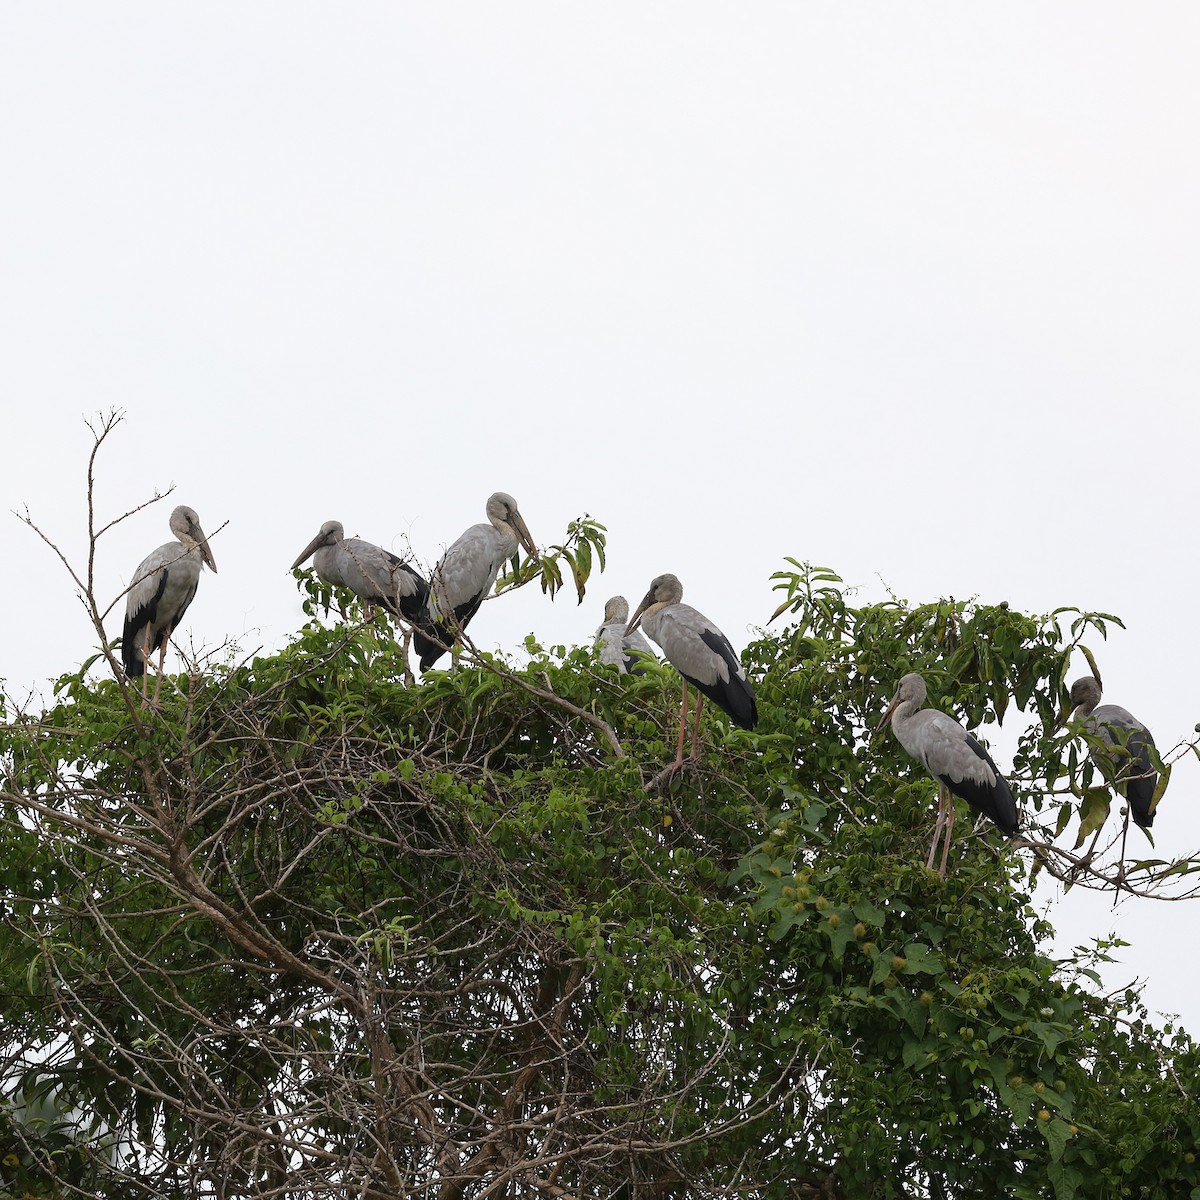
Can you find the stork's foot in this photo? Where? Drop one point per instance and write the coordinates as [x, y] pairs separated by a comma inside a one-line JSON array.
[[669, 772]]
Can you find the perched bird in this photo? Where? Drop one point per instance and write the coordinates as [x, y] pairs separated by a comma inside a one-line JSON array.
[[954, 758], [163, 587], [1128, 744], [617, 648], [373, 574], [464, 577], [700, 652]]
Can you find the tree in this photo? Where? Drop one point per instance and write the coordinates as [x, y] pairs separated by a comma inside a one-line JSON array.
[[309, 931]]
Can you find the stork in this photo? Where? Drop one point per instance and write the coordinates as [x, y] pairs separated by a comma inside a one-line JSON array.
[[1126, 750], [617, 648], [163, 586], [373, 574], [954, 758], [700, 652], [464, 577]]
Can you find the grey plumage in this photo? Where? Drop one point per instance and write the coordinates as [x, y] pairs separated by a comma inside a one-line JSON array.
[[164, 584], [372, 573], [462, 580], [1128, 742], [953, 757], [700, 652], [617, 648], [696, 648]]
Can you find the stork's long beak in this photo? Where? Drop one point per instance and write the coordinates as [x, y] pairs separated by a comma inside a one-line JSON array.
[[887, 716], [647, 600], [206, 555], [1066, 714], [524, 536], [309, 551]]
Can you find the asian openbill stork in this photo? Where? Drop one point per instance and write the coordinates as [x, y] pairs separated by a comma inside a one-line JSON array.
[[462, 580], [954, 758], [700, 652], [373, 574], [163, 586], [617, 648], [1127, 745]]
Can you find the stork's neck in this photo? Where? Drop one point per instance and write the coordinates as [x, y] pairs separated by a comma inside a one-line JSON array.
[[508, 540]]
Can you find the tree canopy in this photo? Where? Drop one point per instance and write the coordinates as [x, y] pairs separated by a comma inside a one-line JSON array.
[[311, 930]]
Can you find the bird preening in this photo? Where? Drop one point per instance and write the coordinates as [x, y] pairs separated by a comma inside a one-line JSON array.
[[163, 586], [616, 647], [1124, 750], [463, 578], [700, 652], [961, 766]]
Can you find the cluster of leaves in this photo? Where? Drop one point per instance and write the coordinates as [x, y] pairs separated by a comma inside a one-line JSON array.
[[310, 931], [582, 548]]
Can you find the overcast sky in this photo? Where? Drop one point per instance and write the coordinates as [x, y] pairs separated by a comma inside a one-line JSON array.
[[908, 291]]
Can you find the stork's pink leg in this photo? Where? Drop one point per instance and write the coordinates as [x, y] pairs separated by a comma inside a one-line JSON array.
[[162, 659], [937, 829], [145, 663], [696, 723], [683, 711], [949, 830]]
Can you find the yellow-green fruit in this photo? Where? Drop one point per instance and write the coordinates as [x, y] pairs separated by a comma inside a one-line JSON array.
[[1044, 1115], [821, 903], [859, 929], [926, 999], [899, 962], [1039, 1087], [1060, 1085], [833, 920]]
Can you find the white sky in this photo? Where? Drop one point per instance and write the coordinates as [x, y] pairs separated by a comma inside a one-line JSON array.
[[910, 291]]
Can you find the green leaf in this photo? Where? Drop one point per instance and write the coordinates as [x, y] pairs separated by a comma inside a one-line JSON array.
[[1093, 812]]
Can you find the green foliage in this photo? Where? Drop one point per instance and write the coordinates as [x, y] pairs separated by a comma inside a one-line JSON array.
[[309, 931], [584, 545]]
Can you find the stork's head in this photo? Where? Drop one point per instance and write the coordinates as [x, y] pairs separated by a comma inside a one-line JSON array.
[[329, 535], [503, 512], [1085, 695], [185, 525], [617, 609], [910, 691], [664, 590]]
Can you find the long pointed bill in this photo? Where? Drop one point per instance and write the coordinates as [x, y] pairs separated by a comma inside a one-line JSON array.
[[205, 553], [309, 551], [1066, 714], [524, 536], [637, 616], [887, 716]]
